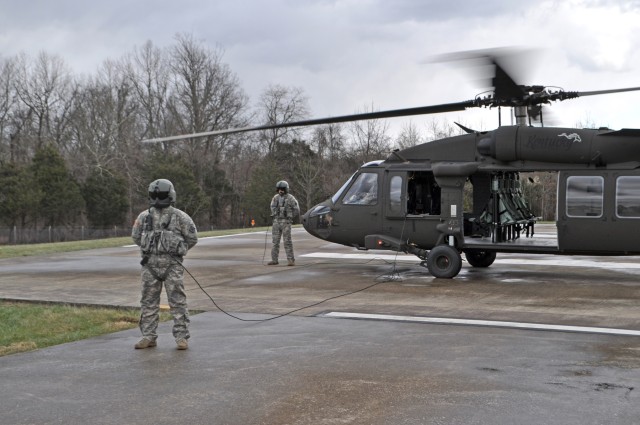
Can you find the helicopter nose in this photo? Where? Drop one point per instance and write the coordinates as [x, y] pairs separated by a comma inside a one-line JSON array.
[[317, 221]]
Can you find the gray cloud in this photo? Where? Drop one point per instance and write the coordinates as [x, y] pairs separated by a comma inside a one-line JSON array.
[[347, 54]]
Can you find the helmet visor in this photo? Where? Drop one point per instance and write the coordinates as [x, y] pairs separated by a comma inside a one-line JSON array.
[[159, 195]]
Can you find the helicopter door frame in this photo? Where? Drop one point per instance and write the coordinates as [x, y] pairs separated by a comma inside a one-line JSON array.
[[358, 210], [404, 216]]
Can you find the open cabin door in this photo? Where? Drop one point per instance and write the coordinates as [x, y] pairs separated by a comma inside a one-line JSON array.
[[412, 206], [599, 211]]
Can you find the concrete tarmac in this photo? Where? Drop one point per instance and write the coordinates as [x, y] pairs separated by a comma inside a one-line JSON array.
[[309, 368]]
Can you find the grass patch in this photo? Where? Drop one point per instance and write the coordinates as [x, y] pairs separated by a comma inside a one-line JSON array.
[[29, 326], [12, 251]]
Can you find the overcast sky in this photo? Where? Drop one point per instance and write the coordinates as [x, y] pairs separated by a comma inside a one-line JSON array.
[[348, 55]]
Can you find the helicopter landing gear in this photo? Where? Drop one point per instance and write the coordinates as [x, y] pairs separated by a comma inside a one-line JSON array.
[[444, 261], [480, 257]]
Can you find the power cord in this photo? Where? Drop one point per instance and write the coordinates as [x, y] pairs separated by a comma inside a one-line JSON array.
[[395, 276], [280, 315]]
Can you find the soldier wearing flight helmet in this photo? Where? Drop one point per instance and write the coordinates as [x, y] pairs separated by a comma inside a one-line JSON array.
[[164, 234], [284, 208]]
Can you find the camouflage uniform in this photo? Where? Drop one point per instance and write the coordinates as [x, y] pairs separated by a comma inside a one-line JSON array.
[[164, 236], [283, 209]]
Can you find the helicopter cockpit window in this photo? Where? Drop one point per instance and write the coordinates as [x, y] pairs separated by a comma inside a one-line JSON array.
[[363, 191], [628, 197], [340, 191], [585, 196]]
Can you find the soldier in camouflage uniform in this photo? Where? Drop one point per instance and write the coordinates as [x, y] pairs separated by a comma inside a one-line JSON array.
[[164, 234], [284, 207]]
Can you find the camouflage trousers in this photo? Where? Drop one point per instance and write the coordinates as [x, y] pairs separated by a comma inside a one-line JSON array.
[[163, 269], [281, 228]]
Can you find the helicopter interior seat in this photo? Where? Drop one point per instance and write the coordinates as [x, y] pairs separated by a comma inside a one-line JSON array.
[[423, 196], [517, 220], [420, 201], [526, 217], [512, 219]]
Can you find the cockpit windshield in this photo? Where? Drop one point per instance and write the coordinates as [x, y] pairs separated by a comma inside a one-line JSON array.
[[338, 194], [363, 191]]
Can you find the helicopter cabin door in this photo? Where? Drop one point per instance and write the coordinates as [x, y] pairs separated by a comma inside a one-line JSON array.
[[358, 213], [412, 206], [599, 211]]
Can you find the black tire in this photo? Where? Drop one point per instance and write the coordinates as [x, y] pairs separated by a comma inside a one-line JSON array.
[[480, 257], [444, 261]]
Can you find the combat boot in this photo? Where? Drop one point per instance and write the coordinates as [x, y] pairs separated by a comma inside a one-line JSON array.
[[291, 263], [145, 343], [272, 263], [182, 344]]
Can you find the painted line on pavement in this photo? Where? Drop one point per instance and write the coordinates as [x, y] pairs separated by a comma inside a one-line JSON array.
[[487, 323], [390, 257], [568, 262]]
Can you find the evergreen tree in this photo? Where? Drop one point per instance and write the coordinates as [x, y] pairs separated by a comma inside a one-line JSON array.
[[260, 190], [105, 195], [220, 195], [191, 198], [19, 196], [61, 202]]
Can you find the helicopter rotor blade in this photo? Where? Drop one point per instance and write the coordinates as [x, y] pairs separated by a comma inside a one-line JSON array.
[[597, 92], [503, 85], [508, 66], [421, 110]]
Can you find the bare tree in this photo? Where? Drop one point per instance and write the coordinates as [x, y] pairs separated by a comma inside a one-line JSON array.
[[206, 96], [437, 129], [307, 174], [45, 87], [105, 120], [328, 141], [8, 147], [147, 72], [370, 138], [278, 105], [409, 136]]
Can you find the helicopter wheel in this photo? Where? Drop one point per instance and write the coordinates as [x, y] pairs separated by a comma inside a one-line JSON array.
[[444, 262], [480, 257]]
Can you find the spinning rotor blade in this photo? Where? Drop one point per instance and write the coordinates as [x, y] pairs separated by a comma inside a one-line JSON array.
[[421, 110], [503, 85], [505, 63]]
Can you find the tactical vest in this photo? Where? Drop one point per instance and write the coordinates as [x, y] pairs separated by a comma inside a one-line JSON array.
[[283, 208], [162, 235]]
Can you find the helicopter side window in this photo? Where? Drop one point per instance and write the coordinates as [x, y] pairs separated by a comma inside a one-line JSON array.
[[395, 196], [585, 196], [363, 191], [628, 197]]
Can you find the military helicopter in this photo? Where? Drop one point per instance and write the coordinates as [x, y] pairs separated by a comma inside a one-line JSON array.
[[412, 201]]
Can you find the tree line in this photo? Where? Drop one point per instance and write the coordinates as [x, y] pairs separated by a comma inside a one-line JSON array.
[[70, 150]]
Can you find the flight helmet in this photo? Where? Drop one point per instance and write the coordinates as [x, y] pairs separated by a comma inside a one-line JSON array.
[[282, 185], [161, 193]]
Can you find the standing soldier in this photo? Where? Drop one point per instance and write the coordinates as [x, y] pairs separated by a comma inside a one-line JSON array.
[[284, 207], [164, 234]]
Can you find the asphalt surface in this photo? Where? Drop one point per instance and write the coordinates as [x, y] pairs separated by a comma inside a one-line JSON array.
[[310, 368]]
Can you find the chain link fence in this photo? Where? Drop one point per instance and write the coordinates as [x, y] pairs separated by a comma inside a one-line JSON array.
[[17, 236]]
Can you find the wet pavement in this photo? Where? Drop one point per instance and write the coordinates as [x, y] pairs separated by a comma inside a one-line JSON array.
[[309, 368]]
